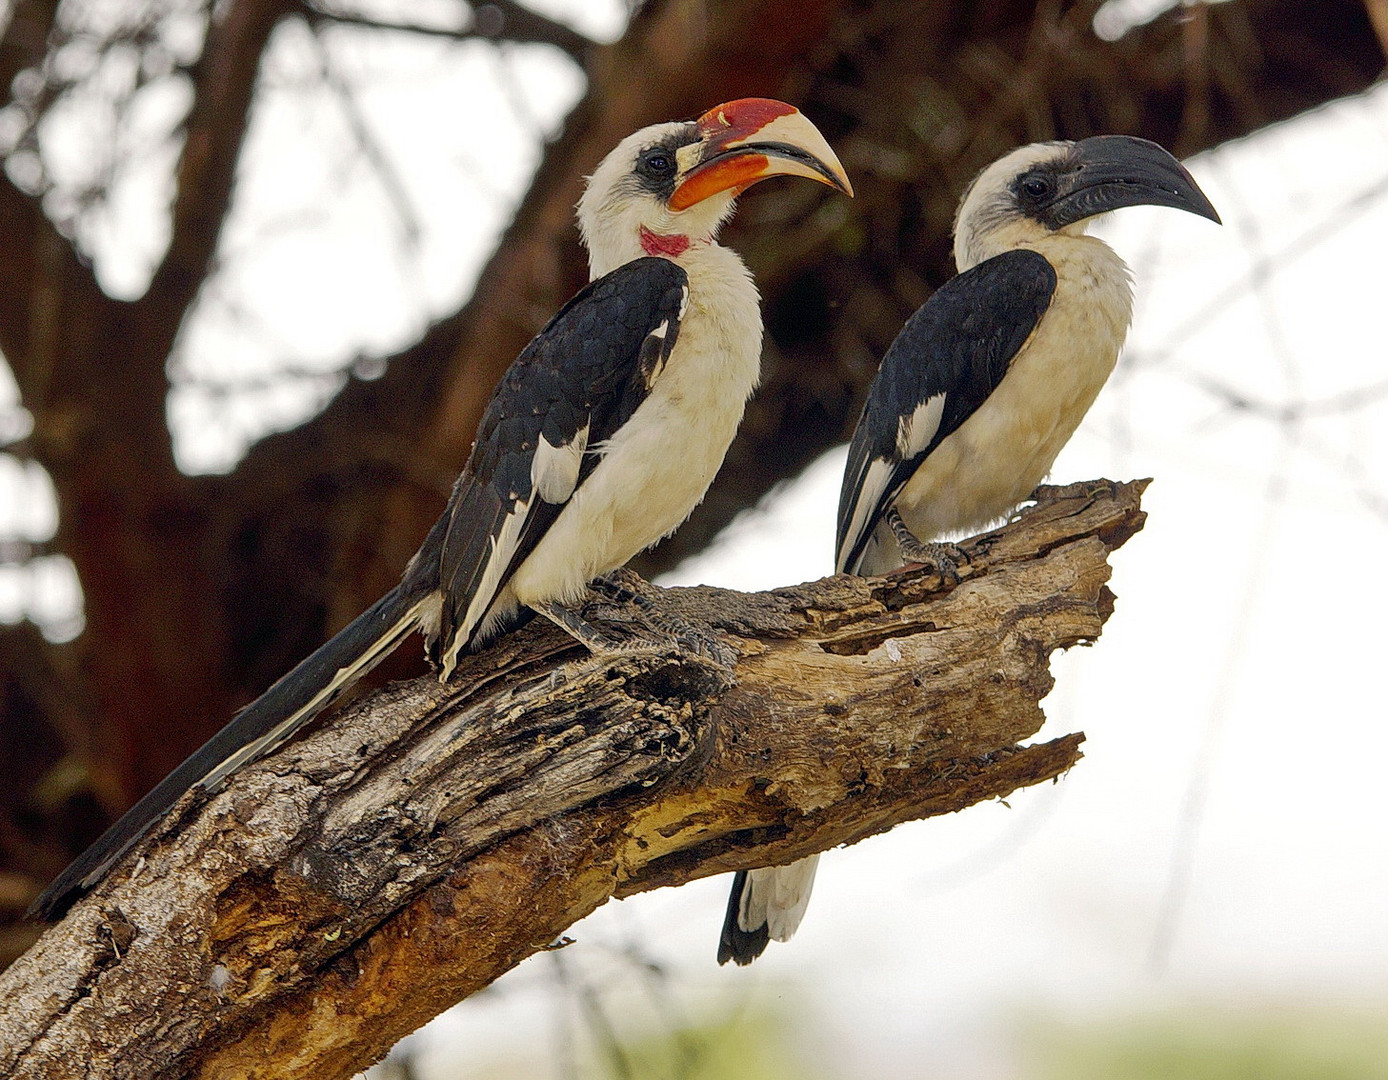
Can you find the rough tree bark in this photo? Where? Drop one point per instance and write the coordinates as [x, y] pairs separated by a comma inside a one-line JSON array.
[[406, 854], [199, 591]]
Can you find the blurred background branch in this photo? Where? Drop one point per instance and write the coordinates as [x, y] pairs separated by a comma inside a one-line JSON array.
[[263, 261], [497, 20]]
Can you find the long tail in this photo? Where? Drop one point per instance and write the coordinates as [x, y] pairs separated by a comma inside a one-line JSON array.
[[251, 734], [765, 905]]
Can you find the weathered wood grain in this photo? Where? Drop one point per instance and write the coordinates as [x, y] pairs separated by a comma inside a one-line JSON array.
[[428, 838]]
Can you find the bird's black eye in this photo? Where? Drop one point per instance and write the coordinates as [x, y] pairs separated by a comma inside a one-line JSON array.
[[1037, 186], [657, 163]]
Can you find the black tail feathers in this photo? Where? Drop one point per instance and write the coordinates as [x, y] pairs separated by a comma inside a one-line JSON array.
[[734, 943], [255, 731]]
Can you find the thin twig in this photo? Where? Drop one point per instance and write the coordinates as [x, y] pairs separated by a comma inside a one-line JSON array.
[[504, 21]]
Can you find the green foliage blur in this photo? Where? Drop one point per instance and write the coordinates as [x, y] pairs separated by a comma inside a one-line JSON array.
[[1276, 1044], [1282, 1042], [743, 1045], [749, 1047]]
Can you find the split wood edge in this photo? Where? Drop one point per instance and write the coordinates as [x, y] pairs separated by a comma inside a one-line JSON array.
[[418, 845]]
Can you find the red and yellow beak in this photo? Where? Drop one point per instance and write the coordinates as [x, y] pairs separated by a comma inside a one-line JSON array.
[[744, 141]]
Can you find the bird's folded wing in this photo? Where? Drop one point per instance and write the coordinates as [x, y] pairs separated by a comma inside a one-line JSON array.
[[569, 391], [951, 354]]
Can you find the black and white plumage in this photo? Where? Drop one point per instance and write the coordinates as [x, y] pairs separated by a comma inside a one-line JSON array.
[[599, 440], [982, 388], [948, 358], [542, 435], [992, 375]]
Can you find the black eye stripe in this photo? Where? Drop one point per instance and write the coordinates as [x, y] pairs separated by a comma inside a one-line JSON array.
[[1037, 185], [657, 165], [656, 162]]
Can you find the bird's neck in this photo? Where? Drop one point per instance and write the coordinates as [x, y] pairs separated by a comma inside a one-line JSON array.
[[1096, 275], [671, 246], [606, 256], [976, 245], [1086, 268]]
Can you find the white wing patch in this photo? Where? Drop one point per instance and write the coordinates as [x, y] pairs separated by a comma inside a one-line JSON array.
[[653, 354], [554, 469], [503, 543], [914, 432], [875, 478], [553, 478]]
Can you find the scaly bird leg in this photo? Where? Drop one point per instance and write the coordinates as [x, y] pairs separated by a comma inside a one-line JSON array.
[[944, 559], [585, 633], [624, 585]]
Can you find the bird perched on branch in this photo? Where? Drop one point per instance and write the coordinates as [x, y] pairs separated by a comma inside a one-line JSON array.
[[598, 441], [981, 389]]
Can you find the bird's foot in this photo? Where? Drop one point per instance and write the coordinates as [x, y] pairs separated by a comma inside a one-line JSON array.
[[581, 630], [663, 632], [943, 559], [626, 586], [700, 640]]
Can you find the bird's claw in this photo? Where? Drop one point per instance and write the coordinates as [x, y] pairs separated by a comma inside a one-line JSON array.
[[943, 558], [624, 586], [689, 637], [625, 598], [705, 643], [580, 629]]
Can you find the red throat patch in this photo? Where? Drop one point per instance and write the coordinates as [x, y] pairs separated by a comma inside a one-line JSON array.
[[672, 247]]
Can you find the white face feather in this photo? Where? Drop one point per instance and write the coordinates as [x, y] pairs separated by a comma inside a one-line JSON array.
[[989, 221], [615, 207]]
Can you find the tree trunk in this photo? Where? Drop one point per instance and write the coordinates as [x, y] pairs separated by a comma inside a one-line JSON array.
[[336, 896], [200, 591]]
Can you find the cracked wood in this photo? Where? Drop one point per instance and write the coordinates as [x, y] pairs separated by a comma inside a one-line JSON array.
[[428, 838]]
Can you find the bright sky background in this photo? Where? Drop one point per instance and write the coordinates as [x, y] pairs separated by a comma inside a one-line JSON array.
[[1224, 844], [1219, 847]]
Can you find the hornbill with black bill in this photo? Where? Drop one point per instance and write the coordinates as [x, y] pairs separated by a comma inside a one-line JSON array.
[[598, 441], [979, 392]]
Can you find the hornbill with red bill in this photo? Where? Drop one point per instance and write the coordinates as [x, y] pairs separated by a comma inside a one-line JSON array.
[[598, 441], [980, 390]]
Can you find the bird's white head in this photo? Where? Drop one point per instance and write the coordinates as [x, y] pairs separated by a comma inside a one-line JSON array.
[[1059, 187], [666, 189]]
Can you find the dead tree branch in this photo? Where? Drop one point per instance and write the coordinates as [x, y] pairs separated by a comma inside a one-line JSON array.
[[496, 20], [405, 855], [224, 81]]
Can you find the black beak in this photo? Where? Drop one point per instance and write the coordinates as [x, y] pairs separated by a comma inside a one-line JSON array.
[[1113, 171]]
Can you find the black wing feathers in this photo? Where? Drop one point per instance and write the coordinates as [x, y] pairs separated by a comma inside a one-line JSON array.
[[959, 344], [591, 367]]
